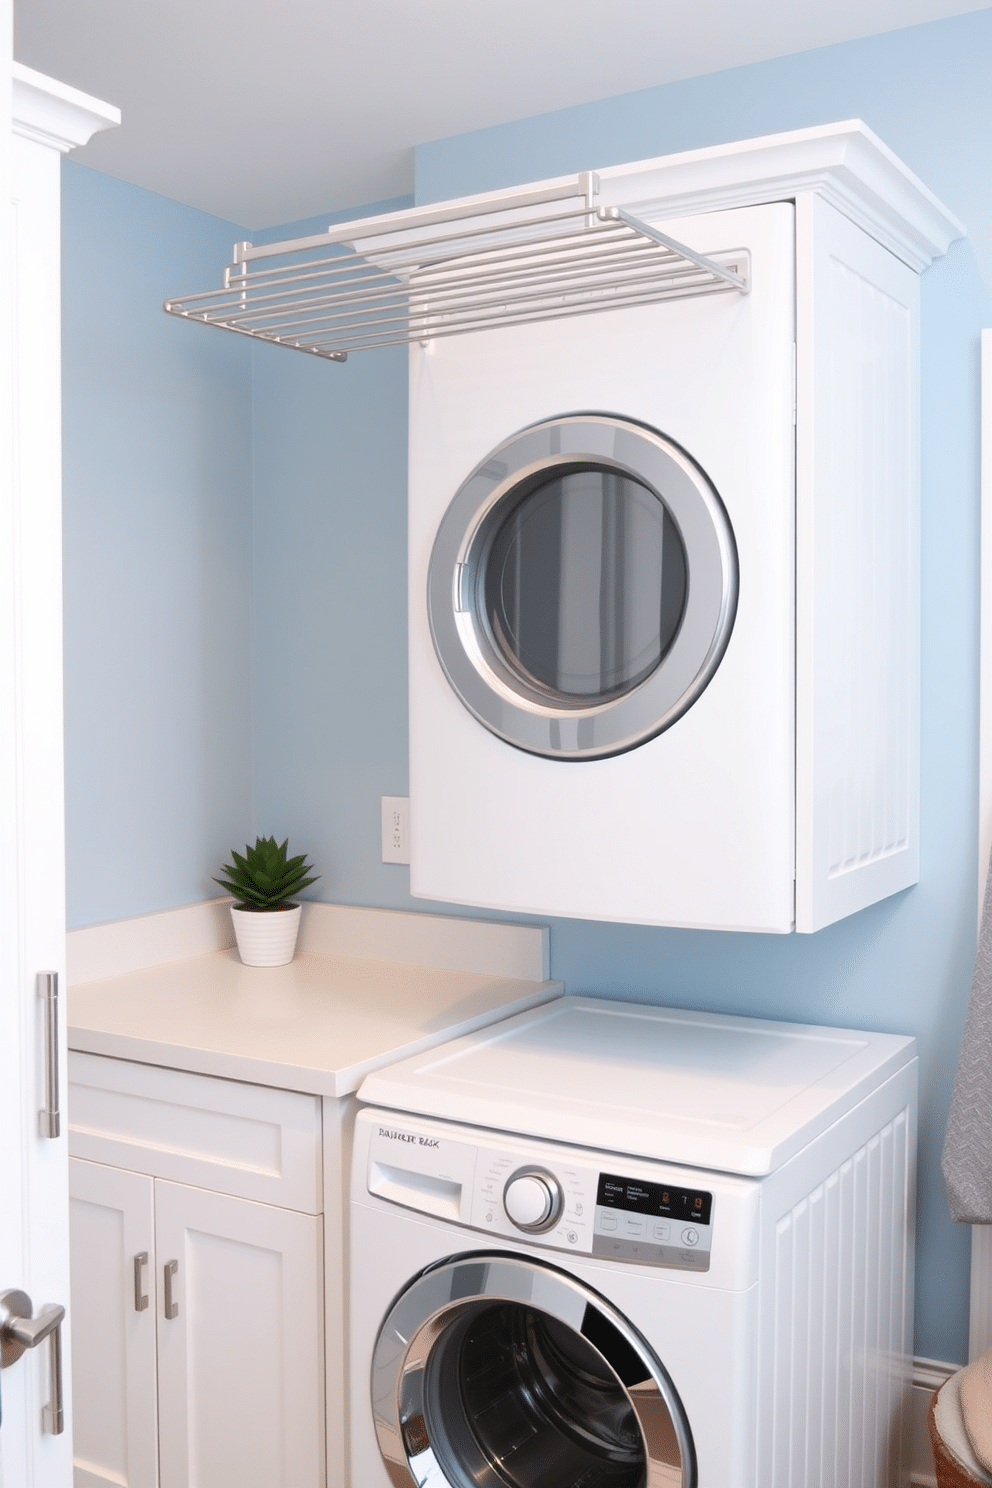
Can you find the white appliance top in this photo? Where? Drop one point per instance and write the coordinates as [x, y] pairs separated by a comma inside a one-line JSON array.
[[739, 1095]]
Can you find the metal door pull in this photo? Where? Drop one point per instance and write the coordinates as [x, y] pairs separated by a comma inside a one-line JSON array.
[[140, 1297], [50, 1121], [20, 1331], [171, 1269]]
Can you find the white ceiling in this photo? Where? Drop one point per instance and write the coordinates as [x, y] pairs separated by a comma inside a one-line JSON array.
[[266, 111]]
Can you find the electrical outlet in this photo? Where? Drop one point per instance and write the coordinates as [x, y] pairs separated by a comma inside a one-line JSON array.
[[396, 829]]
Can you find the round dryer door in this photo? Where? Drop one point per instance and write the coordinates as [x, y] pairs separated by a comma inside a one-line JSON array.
[[582, 587], [492, 1371]]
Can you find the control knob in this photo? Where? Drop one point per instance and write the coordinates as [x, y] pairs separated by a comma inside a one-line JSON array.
[[533, 1199]]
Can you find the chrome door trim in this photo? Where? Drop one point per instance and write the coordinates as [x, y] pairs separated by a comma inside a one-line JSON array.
[[469, 657], [439, 1296]]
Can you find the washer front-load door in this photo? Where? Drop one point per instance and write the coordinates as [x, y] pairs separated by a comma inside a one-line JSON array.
[[582, 587], [492, 1371]]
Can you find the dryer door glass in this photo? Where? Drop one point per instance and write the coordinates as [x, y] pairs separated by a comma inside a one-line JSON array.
[[582, 587], [585, 585], [495, 1372]]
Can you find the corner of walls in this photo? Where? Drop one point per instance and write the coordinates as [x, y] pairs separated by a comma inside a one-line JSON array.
[[329, 673], [156, 461]]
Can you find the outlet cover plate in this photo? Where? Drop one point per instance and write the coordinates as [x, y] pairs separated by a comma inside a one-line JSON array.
[[396, 829]]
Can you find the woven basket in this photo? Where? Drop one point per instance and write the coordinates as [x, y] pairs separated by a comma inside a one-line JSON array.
[[950, 1472]]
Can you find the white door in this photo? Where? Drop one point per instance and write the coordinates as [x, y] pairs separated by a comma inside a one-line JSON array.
[[34, 1234], [240, 1342], [112, 1228]]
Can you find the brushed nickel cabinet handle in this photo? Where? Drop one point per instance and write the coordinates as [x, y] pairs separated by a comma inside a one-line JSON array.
[[140, 1297], [20, 1331], [49, 1120], [170, 1269]]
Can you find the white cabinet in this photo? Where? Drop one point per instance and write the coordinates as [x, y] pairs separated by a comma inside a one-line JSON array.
[[218, 1381], [240, 1376], [111, 1222]]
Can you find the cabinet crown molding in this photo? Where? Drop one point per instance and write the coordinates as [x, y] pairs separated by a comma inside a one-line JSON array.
[[53, 114], [844, 162]]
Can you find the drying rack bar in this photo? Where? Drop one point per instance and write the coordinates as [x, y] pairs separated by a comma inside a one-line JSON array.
[[413, 219], [519, 258]]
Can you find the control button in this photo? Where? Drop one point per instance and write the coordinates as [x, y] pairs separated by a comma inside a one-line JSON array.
[[635, 1226], [690, 1237], [489, 1219], [607, 1222], [578, 1209], [572, 1237], [527, 1200], [532, 1199], [662, 1232]]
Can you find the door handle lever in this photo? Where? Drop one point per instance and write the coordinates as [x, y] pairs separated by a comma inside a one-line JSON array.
[[20, 1331], [50, 1119]]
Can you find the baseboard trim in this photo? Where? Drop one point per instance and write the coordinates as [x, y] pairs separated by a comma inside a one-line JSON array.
[[928, 1375]]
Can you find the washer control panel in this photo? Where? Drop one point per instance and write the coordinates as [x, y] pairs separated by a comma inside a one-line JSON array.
[[549, 1203], [656, 1223], [603, 1214], [503, 1191]]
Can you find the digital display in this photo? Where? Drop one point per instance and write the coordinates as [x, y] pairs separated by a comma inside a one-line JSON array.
[[638, 1197]]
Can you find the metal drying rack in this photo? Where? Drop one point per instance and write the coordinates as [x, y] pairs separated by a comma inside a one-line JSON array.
[[443, 271]]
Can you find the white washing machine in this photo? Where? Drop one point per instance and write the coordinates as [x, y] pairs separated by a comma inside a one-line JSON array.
[[626, 1246], [663, 589], [602, 677]]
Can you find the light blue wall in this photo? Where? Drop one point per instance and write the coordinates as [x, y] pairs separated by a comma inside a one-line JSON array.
[[329, 534], [329, 694], [212, 673], [324, 541], [924, 90], [157, 538]]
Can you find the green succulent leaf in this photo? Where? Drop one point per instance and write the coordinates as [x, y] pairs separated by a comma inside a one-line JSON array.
[[263, 878]]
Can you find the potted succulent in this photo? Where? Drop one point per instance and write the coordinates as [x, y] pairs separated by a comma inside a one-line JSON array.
[[263, 883]]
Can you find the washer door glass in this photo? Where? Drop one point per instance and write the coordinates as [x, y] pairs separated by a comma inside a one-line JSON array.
[[582, 587], [495, 1372]]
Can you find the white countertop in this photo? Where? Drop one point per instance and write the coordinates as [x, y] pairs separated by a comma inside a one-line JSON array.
[[319, 1025]]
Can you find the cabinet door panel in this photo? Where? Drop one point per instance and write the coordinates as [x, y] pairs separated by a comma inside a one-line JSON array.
[[857, 569], [111, 1220], [240, 1365]]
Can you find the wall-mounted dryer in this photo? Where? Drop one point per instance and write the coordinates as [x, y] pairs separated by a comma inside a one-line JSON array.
[[664, 613]]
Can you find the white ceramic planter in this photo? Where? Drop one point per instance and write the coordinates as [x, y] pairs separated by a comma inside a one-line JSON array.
[[266, 937]]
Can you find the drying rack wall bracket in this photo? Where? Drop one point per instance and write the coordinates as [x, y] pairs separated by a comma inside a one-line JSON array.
[[512, 259]]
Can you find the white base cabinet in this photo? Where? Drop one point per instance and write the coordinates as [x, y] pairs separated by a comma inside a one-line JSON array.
[[217, 1379], [240, 1377], [112, 1221]]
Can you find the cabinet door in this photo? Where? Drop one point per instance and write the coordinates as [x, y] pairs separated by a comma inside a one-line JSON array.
[[241, 1361], [111, 1221], [857, 568]]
